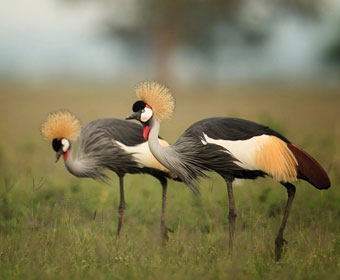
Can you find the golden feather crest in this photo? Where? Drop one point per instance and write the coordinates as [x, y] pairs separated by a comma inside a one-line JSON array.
[[60, 124], [158, 97]]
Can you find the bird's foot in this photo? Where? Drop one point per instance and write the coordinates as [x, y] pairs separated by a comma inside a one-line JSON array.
[[279, 245], [164, 234]]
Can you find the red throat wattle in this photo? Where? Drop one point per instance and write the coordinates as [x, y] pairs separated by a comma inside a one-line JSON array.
[[146, 132], [65, 155]]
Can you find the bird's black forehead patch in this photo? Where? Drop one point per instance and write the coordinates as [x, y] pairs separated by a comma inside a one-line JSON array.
[[139, 105], [56, 144]]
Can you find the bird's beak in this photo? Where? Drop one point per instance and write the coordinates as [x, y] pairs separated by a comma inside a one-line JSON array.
[[58, 155], [134, 116]]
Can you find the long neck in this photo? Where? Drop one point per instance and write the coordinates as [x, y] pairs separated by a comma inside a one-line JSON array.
[[179, 158], [162, 154], [75, 167]]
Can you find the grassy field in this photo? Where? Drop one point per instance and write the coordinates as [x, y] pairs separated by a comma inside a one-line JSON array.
[[47, 230]]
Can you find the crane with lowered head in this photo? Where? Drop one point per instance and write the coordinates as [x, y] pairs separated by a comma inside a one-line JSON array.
[[233, 148], [106, 144]]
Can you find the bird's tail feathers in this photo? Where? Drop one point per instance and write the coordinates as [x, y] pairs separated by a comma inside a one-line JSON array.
[[309, 169]]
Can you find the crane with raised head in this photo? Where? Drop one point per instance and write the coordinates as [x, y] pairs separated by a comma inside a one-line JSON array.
[[106, 144], [232, 147]]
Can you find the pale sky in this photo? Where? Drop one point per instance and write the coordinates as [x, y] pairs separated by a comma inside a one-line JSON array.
[[39, 38], [51, 36], [46, 16]]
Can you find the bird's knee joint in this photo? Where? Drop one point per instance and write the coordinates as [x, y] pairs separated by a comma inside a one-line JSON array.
[[121, 208], [279, 241], [232, 214]]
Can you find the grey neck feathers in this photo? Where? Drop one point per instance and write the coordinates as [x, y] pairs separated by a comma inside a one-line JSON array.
[[173, 157], [76, 167], [165, 155]]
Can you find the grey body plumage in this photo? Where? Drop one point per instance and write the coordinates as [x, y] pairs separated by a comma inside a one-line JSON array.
[[233, 148], [100, 148], [98, 151], [190, 158]]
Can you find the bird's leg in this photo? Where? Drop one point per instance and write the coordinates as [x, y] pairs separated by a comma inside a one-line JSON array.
[[121, 207], [279, 241], [164, 230], [232, 214]]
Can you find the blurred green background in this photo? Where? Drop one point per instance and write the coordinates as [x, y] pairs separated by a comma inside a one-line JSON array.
[[274, 62]]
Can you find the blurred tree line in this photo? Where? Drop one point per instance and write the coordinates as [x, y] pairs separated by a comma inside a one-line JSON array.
[[160, 27]]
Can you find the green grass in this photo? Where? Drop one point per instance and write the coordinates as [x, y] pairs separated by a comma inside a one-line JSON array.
[[47, 230]]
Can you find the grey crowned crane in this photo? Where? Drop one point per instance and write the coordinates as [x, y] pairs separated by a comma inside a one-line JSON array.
[[234, 148], [105, 144]]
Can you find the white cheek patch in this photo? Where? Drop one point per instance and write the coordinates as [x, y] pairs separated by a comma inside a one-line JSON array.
[[146, 115], [65, 144]]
